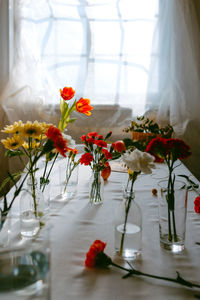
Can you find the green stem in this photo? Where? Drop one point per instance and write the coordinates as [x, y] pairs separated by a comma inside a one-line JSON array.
[[126, 213], [50, 171]]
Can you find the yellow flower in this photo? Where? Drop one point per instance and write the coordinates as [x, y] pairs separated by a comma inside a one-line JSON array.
[[12, 143], [45, 126], [33, 130], [33, 145], [14, 128]]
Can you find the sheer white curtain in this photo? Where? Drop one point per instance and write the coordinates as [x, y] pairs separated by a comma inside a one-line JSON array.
[[103, 49], [100, 48], [178, 67]]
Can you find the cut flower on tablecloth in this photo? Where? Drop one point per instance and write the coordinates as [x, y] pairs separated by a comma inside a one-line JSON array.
[[95, 257]]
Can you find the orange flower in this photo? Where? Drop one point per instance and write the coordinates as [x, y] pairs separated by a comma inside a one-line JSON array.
[[105, 173], [94, 255], [67, 93], [119, 146], [83, 106]]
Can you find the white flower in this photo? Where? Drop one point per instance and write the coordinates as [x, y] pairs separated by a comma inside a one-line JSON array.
[[70, 142], [139, 161]]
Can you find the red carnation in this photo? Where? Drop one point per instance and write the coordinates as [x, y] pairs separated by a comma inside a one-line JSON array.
[[93, 134], [100, 137], [158, 148], [86, 159], [100, 143], [53, 133], [178, 148], [197, 205], [61, 145], [107, 154], [83, 138], [96, 257], [90, 140]]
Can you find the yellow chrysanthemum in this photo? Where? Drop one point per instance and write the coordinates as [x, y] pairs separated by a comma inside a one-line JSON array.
[[33, 130], [13, 143], [33, 145], [45, 126], [14, 128]]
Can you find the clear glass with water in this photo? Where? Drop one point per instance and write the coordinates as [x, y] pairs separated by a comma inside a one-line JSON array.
[[128, 228], [25, 270]]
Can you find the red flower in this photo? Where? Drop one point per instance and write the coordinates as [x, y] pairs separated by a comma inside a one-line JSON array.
[[158, 148], [93, 134], [83, 138], [119, 146], [100, 143], [67, 93], [53, 133], [83, 106], [96, 257], [197, 205], [100, 137], [61, 145], [86, 159], [90, 140], [106, 153], [178, 148]]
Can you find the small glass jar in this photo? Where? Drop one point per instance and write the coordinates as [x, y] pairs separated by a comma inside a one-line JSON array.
[[96, 188], [128, 228]]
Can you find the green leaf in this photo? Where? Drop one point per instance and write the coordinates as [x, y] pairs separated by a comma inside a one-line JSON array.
[[72, 120], [12, 153], [8, 179]]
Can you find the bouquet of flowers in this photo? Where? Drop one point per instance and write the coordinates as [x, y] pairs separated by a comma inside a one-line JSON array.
[[30, 141], [96, 156], [82, 106]]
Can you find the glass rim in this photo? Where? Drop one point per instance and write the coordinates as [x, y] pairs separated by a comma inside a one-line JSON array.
[[181, 186]]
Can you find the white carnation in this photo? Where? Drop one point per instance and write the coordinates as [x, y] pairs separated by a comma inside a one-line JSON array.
[[70, 142], [139, 161]]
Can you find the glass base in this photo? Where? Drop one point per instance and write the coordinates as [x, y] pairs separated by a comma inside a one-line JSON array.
[[174, 247], [93, 202], [129, 254], [29, 225]]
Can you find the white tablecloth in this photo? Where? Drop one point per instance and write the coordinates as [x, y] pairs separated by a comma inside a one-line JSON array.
[[77, 224]]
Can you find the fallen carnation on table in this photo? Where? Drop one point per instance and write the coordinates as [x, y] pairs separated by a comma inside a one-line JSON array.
[[96, 257]]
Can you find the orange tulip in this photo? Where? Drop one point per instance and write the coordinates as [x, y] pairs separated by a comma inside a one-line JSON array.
[[105, 173], [67, 93], [83, 106]]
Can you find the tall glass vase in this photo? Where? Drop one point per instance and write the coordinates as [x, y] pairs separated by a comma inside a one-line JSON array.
[[32, 209], [96, 188], [68, 182], [128, 228], [172, 218]]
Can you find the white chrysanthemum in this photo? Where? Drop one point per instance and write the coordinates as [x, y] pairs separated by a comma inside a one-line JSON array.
[[70, 142], [139, 161]]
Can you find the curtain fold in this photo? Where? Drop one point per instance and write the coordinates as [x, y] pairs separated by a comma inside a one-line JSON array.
[[178, 67]]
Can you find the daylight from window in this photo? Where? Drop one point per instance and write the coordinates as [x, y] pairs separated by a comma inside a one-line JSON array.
[[101, 48]]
